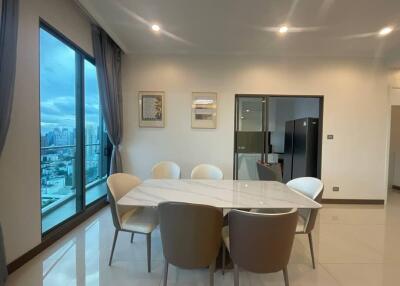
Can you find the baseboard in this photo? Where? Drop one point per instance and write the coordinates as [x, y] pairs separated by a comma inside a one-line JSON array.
[[55, 235], [353, 201], [395, 187]]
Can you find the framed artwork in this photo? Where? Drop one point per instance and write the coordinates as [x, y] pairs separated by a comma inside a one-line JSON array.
[[151, 109], [204, 110]]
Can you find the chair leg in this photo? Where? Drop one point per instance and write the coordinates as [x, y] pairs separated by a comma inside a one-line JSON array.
[[132, 237], [148, 252], [223, 258], [113, 246], [165, 273], [212, 270], [236, 275], [285, 276], [311, 249]]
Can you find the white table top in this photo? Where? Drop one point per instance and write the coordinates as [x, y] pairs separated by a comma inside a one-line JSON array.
[[218, 193]]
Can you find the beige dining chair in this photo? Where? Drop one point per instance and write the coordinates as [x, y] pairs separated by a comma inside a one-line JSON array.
[[207, 171], [190, 235], [130, 219], [259, 242], [166, 170], [313, 188]]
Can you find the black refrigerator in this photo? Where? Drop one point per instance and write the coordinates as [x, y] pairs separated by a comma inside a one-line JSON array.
[[301, 149]]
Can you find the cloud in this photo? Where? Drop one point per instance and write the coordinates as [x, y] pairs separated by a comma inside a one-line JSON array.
[[58, 86]]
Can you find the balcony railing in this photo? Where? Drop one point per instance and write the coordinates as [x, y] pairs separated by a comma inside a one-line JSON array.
[[58, 173]]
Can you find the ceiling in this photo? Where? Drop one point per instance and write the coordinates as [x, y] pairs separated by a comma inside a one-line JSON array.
[[240, 27]]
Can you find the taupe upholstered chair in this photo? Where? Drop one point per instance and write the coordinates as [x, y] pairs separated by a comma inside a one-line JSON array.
[[134, 219], [190, 235], [259, 242], [269, 172], [312, 188]]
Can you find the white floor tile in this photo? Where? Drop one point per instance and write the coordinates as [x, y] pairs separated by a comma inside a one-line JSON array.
[[354, 245]]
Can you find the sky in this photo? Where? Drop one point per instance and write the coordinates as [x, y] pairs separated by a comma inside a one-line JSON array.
[[57, 86]]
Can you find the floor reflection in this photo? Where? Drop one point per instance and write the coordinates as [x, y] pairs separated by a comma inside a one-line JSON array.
[[92, 263], [60, 267]]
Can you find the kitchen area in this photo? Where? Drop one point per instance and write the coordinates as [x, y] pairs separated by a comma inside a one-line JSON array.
[[277, 137]]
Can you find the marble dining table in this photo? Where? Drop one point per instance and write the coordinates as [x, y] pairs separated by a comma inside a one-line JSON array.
[[225, 194]]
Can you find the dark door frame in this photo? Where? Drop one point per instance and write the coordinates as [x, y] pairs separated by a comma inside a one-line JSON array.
[[265, 121]]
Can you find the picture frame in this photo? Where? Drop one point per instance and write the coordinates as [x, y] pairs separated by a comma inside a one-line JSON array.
[[151, 109], [204, 110]]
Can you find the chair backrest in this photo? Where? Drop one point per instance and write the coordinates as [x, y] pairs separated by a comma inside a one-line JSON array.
[[166, 170], [118, 185], [190, 233], [261, 242], [207, 171], [268, 172], [312, 188]]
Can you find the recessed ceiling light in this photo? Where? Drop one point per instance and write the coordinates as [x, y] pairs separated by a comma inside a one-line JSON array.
[[283, 29], [155, 27], [385, 31]]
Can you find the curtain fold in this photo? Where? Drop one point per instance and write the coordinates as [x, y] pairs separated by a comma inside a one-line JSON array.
[[108, 65], [8, 55]]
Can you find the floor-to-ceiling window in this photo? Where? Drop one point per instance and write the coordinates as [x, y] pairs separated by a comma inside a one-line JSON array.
[[74, 157]]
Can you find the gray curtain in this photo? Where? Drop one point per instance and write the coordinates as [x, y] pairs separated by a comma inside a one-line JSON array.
[[8, 54], [108, 64], [3, 267]]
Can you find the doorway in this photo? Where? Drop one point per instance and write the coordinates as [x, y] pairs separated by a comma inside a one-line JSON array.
[[282, 132], [394, 153]]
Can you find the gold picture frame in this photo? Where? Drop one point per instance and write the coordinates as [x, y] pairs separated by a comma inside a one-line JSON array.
[[204, 110], [151, 109]]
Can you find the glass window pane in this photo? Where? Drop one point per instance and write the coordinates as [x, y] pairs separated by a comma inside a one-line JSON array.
[[58, 130], [250, 113], [95, 143], [250, 138]]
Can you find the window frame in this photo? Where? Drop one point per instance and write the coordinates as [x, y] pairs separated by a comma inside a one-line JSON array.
[[81, 56]]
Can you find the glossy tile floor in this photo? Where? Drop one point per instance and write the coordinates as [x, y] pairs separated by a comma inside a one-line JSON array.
[[354, 244]]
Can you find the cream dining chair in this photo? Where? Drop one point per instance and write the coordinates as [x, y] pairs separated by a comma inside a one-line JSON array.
[[207, 171], [134, 219], [313, 188], [166, 170]]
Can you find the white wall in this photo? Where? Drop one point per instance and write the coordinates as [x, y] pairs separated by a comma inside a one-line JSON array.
[[19, 162], [355, 111]]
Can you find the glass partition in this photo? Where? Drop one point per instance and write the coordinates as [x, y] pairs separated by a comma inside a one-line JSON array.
[[250, 135]]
